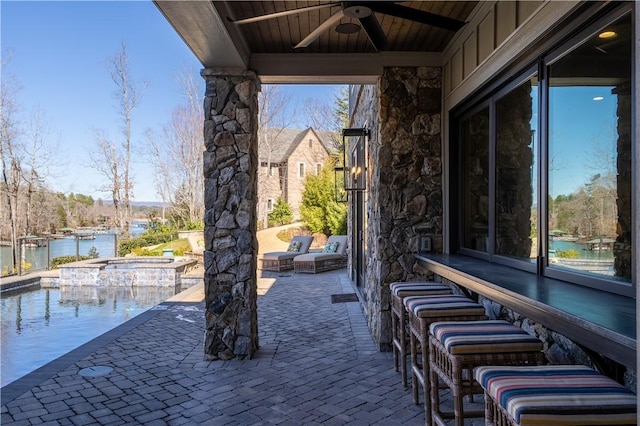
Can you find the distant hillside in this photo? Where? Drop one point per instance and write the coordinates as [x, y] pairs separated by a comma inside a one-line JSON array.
[[149, 204], [141, 203]]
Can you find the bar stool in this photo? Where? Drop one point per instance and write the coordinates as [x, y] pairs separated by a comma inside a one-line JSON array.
[[456, 348], [554, 394], [423, 311], [400, 290]]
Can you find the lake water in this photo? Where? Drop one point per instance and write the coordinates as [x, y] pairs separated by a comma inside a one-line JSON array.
[[105, 245], [582, 249], [39, 326]]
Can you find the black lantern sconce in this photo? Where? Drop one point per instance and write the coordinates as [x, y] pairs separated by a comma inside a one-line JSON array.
[[352, 175]]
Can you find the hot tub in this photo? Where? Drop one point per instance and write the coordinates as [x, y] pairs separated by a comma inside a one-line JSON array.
[[151, 271]]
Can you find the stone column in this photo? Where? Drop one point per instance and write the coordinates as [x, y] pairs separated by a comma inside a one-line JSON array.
[[230, 220]]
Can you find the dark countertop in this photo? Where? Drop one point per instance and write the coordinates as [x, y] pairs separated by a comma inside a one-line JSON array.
[[601, 321]]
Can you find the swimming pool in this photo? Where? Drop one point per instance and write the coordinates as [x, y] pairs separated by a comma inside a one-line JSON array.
[[39, 326]]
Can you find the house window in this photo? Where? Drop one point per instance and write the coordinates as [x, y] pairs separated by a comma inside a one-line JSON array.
[[546, 186], [318, 168], [310, 143], [269, 204], [300, 170], [271, 170], [475, 180]]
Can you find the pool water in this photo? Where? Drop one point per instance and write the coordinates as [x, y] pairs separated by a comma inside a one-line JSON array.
[[39, 326]]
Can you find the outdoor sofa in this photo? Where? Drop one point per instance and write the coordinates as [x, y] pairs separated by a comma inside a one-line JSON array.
[[283, 260], [333, 256]]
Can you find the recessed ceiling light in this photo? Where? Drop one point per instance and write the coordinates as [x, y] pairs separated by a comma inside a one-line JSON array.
[[607, 34], [598, 98]]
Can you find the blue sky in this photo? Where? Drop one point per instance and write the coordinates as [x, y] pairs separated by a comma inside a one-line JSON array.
[[60, 52], [578, 126]]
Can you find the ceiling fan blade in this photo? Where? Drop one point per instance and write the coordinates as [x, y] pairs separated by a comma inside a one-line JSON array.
[[416, 15], [374, 31], [283, 13], [332, 21]]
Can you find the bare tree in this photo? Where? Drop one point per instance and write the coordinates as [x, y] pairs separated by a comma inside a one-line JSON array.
[[27, 154], [322, 115], [107, 162], [272, 120], [41, 152], [10, 152], [177, 157], [118, 161]]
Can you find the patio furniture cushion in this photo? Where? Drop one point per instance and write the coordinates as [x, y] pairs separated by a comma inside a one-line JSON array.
[[483, 337], [331, 247], [280, 255], [558, 395], [294, 246], [341, 248], [445, 305], [418, 288]]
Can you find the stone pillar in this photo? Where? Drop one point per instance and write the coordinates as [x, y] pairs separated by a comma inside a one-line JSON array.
[[230, 220]]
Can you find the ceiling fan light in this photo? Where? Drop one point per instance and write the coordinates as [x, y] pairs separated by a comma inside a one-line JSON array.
[[347, 28], [357, 11]]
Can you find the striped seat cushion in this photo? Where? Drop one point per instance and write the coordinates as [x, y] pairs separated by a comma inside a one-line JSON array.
[[483, 337], [558, 395], [442, 306], [407, 289]]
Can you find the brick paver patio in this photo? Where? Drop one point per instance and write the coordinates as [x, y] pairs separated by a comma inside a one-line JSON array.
[[317, 365]]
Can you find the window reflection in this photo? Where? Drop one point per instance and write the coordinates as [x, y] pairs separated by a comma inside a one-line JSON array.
[[589, 165], [516, 187], [475, 180]]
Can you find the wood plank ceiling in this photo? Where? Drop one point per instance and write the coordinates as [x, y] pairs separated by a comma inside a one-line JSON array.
[[281, 34]]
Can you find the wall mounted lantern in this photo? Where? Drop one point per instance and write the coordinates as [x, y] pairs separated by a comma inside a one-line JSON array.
[[352, 176]]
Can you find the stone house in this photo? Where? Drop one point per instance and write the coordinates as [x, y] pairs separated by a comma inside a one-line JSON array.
[[463, 129], [286, 156]]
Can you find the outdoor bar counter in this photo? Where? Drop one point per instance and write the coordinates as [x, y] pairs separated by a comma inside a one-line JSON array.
[[602, 323]]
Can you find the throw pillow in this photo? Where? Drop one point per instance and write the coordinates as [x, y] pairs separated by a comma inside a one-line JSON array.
[[331, 248], [294, 246]]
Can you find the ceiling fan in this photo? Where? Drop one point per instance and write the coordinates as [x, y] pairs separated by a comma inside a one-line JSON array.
[[363, 11]]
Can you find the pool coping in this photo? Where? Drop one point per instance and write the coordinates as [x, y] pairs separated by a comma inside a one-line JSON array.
[[18, 387]]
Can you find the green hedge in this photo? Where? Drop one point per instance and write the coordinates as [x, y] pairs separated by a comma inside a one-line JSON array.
[[127, 246], [61, 260]]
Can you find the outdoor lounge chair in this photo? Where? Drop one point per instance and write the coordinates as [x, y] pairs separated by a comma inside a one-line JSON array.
[[283, 260], [332, 257], [196, 243]]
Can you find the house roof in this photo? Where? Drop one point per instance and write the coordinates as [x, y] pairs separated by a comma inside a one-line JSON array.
[[284, 141]]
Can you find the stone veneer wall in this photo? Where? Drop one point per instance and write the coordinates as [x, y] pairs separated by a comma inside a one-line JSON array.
[[404, 200], [230, 175], [366, 115]]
